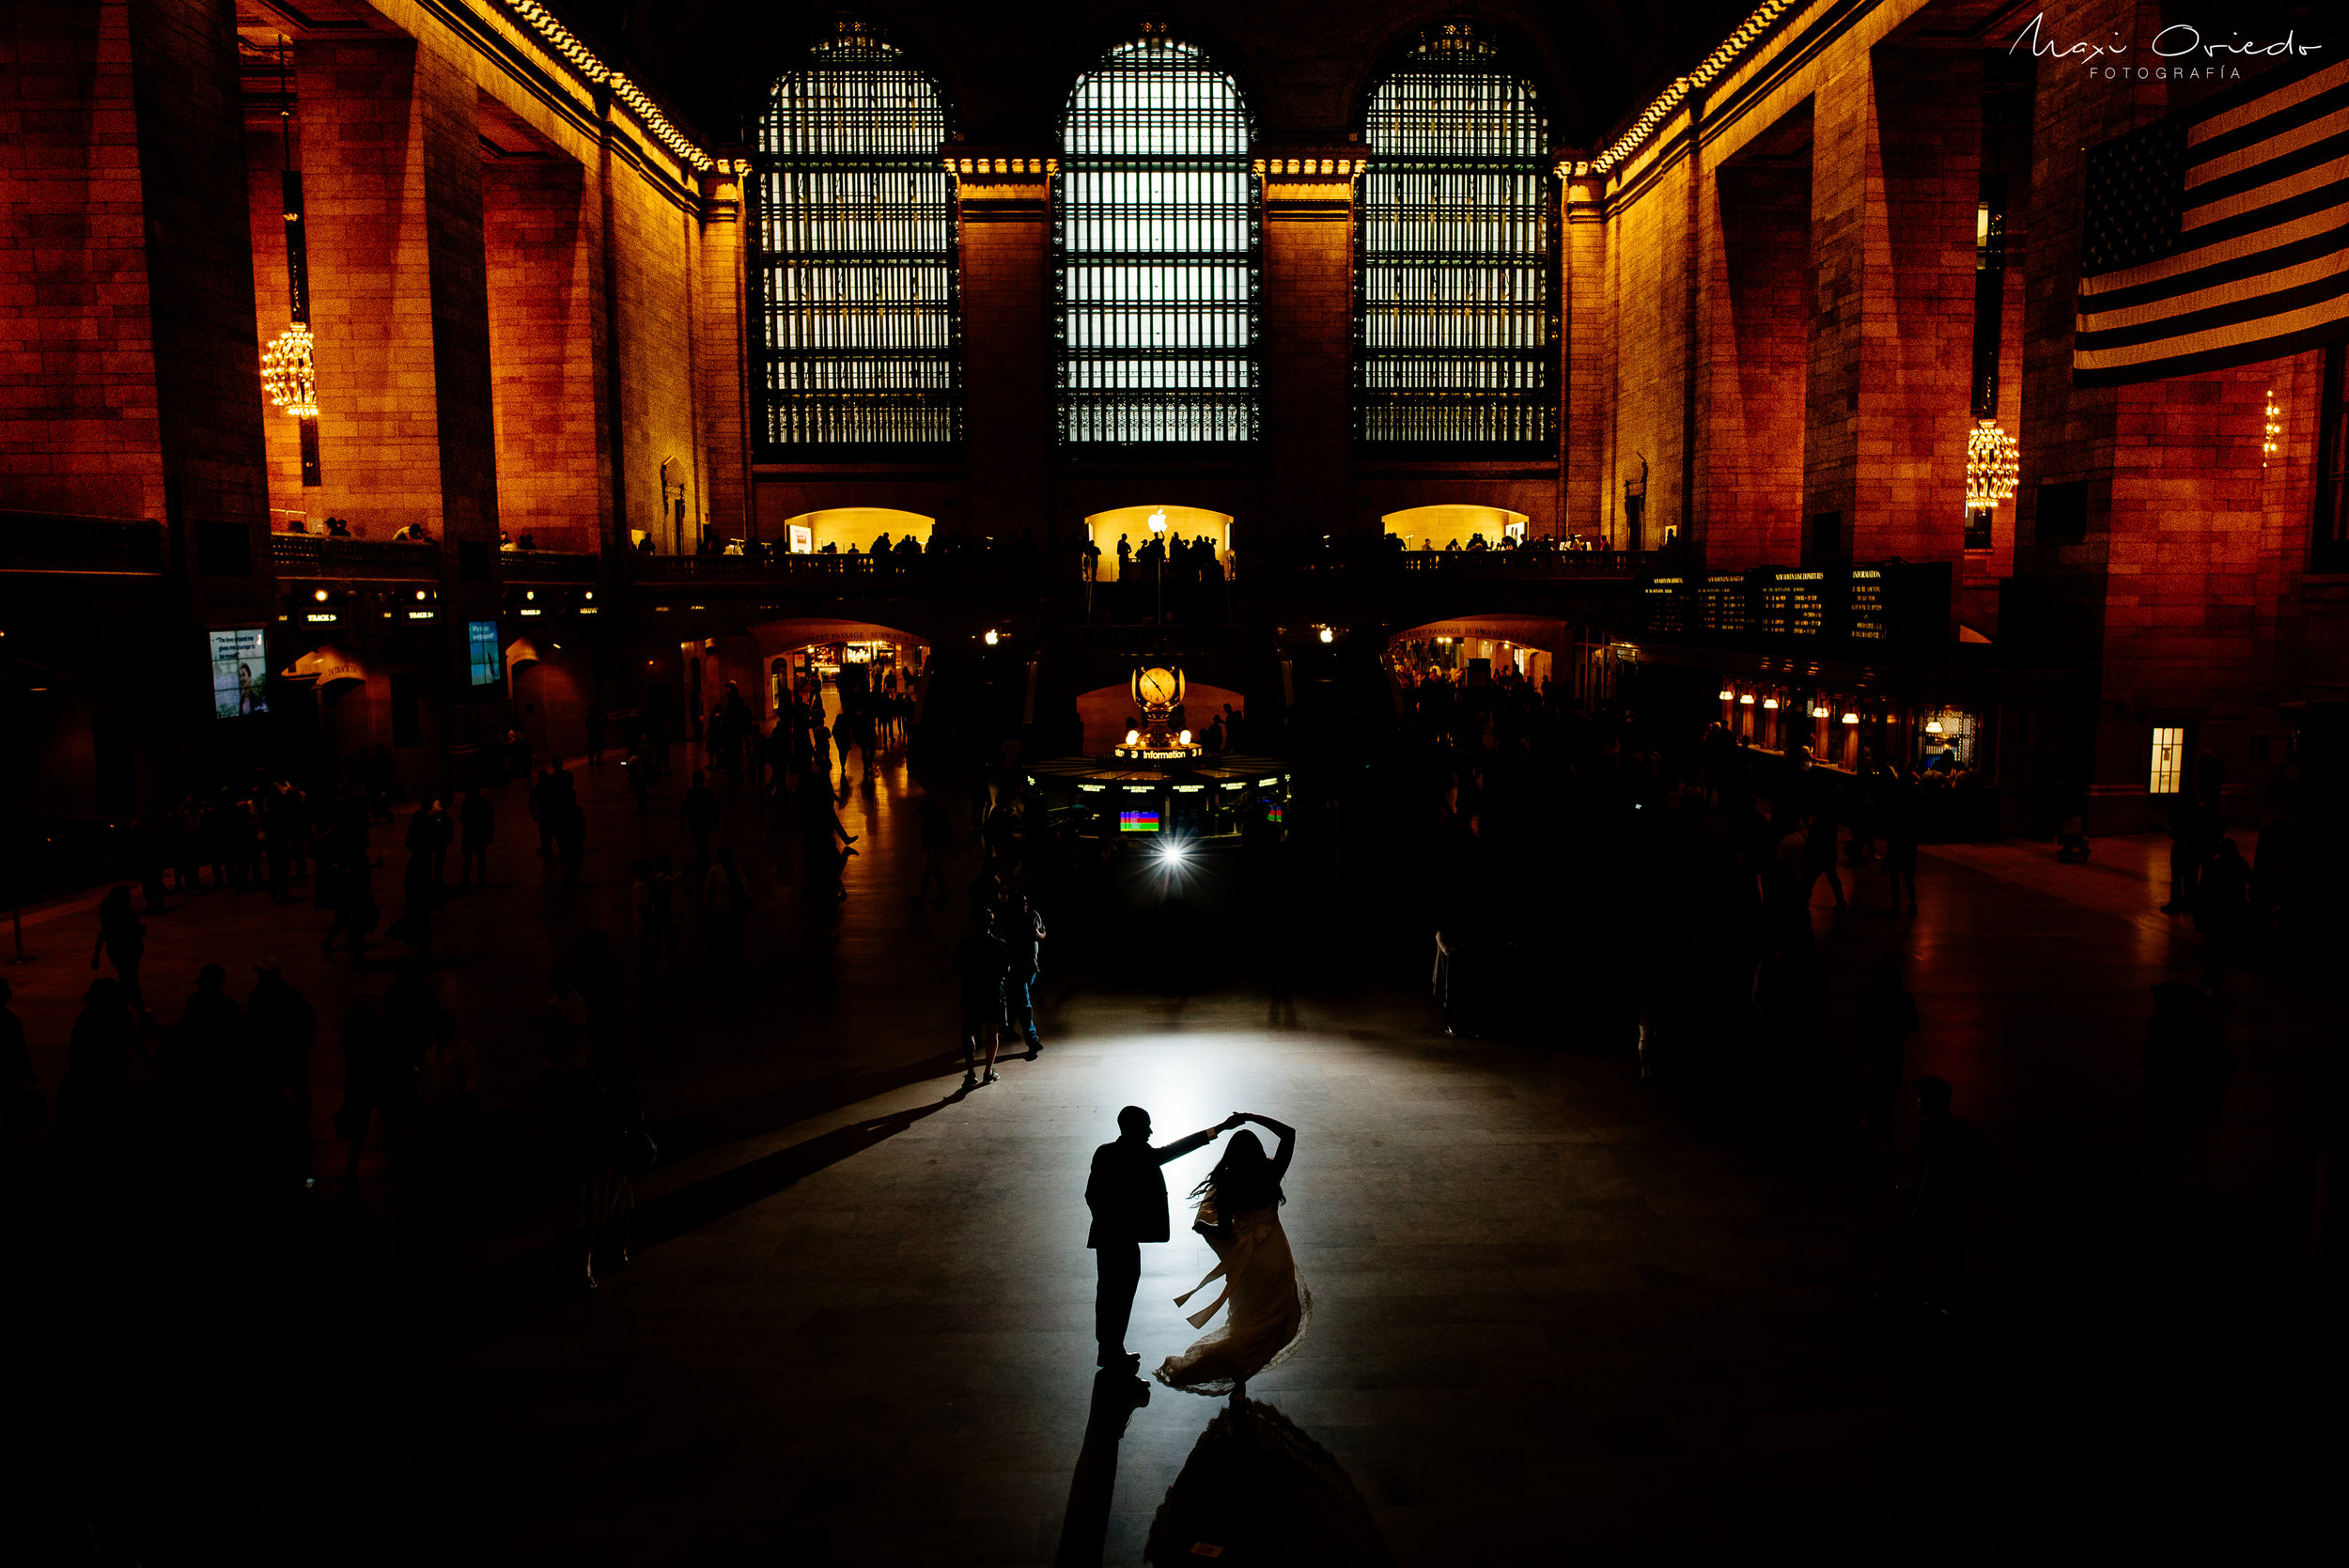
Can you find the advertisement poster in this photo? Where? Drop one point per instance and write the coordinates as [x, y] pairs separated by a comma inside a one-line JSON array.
[[239, 673], [484, 652], [802, 539]]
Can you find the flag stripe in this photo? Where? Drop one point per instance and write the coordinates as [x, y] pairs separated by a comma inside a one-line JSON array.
[[2218, 121], [2219, 233], [2180, 307], [2237, 221], [2201, 147], [2312, 328], [2332, 286], [2267, 171], [2315, 236]]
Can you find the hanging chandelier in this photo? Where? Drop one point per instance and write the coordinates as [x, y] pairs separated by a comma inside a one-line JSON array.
[[1991, 465], [287, 374]]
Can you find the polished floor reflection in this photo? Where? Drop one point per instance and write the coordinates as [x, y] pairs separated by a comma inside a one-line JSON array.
[[1556, 1313]]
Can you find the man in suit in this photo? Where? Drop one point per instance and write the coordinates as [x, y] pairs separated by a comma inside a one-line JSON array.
[[1126, 1193]]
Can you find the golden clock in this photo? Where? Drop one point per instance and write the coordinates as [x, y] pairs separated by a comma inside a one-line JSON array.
[[1158, 687]]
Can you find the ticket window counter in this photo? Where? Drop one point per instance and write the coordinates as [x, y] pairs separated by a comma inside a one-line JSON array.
[[1946, 741]]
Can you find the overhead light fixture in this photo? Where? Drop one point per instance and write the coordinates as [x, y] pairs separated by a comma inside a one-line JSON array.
[[1991, 465], [289, 373], [1769, 702], [1747, 700], [1933, 727], [1851, 717], [1727, 695], [1819, 713]]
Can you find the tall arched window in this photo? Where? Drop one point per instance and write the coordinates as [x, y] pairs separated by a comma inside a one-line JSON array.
[[856, 238], [1455, 328], [1156, 241]]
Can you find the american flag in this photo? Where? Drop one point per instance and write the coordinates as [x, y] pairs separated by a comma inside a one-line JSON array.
[[2219, 235]]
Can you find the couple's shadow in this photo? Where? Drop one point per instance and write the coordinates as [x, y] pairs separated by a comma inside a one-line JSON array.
[[1255, 1489]]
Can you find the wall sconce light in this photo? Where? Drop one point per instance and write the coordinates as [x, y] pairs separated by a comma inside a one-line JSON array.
[[2270, 443], [1819, 713], [1727, 695], [1747, 700], [1851, 717], [1769, 702]]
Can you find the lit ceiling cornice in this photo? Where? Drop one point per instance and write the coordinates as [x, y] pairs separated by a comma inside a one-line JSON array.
[[1715, 65], [592, 70]]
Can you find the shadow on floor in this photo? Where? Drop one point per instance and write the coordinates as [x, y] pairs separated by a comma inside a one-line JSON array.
[[1116, 1395], [1256, 1489]]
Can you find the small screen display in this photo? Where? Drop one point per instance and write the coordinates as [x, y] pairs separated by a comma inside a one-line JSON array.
[[1137, 822], [239, 674], [484, 653]]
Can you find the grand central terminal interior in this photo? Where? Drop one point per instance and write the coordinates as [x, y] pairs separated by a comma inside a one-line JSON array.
[[1293, 784]]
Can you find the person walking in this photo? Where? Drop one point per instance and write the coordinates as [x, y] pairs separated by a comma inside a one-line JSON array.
[[23, 1107], [1126, 1192], [1887, 1016], [1025, 941], [981, 960], [725, 900], [938, 842], [477, 822], [1239, 1213], [284, 1026], [1953, 1170], [376, 1084], [697, 815], [123, 939], [2222, 910]]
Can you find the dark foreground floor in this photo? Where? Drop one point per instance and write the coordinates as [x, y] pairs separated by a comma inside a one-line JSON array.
[[1558, 1317]]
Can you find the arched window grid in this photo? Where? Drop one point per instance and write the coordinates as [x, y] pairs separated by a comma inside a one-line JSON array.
[[1456, 264], [1157, 237], [860, 341]]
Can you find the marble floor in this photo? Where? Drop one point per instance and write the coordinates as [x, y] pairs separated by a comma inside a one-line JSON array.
[[1558, 1316]]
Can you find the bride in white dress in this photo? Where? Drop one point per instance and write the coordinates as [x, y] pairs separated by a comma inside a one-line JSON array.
[[1239, 1213]]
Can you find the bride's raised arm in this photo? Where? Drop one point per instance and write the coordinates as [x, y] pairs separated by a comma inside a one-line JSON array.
[[1200, 1140], [1286, 1134]]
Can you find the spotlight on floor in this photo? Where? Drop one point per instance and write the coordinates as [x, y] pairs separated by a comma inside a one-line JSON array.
[[1174, 852]]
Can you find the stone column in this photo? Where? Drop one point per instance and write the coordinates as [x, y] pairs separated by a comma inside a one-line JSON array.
[[1583, 354], [400, 289], [1306, 350], [543, 304], [1004, 205], [724, 338]]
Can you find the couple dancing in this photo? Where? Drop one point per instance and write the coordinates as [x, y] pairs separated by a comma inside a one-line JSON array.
[[1239, 1213]]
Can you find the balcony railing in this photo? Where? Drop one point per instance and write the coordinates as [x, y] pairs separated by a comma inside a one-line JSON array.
[[548, 566], [55, 542], [1371, 563], [957, 569], [323, 555]]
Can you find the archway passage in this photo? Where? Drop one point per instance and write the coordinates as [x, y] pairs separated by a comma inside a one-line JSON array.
[[842, 530], [1449, 526], [820, 657], [1107, 710], [1529, 646], [1132, 525]]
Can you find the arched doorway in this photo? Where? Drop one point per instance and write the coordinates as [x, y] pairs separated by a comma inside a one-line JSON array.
[[1454, 527], [834, 661], [1520, 647], [1132, 525], [852, 530]]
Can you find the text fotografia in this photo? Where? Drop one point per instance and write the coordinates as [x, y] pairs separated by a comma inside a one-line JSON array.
[[2179, 53]]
